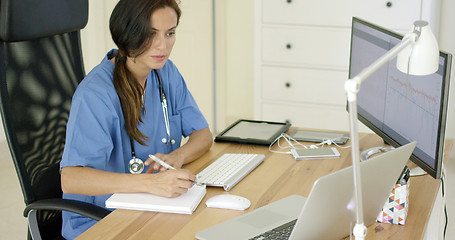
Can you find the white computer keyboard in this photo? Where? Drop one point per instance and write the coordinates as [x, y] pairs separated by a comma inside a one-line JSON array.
[[229, 169]]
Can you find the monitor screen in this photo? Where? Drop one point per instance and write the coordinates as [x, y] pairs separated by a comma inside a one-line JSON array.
[[398, 107]]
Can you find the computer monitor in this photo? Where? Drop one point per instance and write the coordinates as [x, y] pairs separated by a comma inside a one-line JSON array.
[[398, 107]]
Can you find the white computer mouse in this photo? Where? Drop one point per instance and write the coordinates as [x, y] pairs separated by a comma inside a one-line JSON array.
[[228, 201]]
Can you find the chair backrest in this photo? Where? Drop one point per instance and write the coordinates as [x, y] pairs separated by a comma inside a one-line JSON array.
[[40, 68], [31, 19], [37, 81]]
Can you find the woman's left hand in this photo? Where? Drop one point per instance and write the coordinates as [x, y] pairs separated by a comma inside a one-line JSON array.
[[175, 160]]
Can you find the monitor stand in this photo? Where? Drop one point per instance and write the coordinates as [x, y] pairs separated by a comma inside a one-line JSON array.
[[369, 152], [416, 171]]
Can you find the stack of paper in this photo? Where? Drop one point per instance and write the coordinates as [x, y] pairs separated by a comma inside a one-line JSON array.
[[185, 203]]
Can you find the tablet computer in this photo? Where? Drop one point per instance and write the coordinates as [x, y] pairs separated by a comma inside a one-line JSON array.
[[319, 136], [253, 132]]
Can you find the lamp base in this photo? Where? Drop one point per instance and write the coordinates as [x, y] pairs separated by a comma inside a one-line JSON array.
[[360, 231]]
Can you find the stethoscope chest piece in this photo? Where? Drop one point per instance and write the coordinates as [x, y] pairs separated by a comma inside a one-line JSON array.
[[136, 165]]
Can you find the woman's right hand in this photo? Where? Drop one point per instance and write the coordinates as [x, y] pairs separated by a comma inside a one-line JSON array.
[[92, 182], [169, 183]]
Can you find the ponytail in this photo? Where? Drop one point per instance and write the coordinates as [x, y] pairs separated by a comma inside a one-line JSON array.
[[130, 93]]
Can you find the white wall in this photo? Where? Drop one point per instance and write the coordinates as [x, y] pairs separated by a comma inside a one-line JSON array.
[[238, 65], [95, 37], [193, 53]]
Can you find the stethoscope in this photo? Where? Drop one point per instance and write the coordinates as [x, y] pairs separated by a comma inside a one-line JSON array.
[[136, 165]]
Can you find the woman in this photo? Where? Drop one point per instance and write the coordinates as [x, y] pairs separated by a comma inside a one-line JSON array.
[[119, 113]]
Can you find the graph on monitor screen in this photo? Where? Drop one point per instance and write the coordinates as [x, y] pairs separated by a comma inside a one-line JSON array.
[[417, 98]]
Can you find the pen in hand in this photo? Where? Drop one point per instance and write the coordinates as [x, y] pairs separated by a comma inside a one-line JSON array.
[[161, 162], [169, 167]]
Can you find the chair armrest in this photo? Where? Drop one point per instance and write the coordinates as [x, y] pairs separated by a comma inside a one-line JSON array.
[[83, 208]]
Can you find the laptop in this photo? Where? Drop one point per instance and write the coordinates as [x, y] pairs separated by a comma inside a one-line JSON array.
[[329, 210]]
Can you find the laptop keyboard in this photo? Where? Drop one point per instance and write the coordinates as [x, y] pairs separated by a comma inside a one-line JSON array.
[[281, 232]]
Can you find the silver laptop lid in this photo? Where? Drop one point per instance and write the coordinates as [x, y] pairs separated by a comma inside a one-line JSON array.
[[329, 212]]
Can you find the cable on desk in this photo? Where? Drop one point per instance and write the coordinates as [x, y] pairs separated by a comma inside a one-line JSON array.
[[294, 144], [444, 201], [289, 140]]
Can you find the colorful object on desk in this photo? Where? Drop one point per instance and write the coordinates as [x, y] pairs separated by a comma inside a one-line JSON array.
[[395, 209]]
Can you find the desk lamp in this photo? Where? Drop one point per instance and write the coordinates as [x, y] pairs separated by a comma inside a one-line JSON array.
[[418, 54]]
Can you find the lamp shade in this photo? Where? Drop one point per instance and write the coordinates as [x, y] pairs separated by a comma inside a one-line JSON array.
[[422, 57]]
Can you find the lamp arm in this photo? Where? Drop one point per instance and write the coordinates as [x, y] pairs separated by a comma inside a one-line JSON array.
[[352, 86]]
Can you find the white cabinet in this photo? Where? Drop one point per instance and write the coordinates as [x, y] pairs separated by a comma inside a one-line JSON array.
[[398, 14], [302, 54]]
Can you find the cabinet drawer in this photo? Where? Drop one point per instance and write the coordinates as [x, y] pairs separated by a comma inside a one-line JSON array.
[[393, 14], [307, 115], [308, 46], [304, 85]]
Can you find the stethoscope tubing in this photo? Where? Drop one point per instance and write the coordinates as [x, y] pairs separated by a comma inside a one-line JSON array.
[[164, 107], [136, 165]]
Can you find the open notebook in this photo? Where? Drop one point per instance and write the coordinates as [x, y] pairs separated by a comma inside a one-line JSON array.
[[185, 203]]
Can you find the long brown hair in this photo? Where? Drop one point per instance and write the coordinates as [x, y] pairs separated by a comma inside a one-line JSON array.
[[132, 33]]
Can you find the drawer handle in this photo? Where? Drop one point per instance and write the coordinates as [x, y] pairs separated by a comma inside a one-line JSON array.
[[289, 1], [288, 84], [389, 4], [288, 46]]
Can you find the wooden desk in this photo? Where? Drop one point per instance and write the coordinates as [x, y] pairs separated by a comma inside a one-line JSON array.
[[277, 177]]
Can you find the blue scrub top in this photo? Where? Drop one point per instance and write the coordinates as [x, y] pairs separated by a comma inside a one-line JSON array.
[[96, 136]]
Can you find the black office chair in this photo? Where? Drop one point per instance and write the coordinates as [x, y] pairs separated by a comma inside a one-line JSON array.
[[40, 68]]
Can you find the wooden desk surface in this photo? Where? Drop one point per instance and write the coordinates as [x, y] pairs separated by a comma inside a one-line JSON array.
[[277, 177]]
